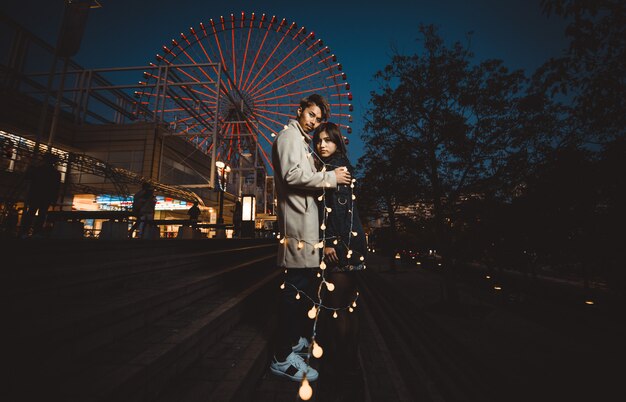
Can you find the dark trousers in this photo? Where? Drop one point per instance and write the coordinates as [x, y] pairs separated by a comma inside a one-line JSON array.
[[33, 208], [293, 321]]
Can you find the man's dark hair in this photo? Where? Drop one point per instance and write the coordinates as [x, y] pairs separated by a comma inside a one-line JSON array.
[[319, 101]]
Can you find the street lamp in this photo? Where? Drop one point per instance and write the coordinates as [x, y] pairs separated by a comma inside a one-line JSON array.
[[222, 172], [248, 215]]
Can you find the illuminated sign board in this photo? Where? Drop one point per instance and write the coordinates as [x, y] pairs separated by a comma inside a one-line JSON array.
[[115, 202]]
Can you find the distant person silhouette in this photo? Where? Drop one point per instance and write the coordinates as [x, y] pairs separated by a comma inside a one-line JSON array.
[[237, 218], [144, 202], [44, 183], [194, 213], [9, 223]]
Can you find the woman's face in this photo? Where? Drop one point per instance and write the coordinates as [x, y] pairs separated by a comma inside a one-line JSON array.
[[325, 147]]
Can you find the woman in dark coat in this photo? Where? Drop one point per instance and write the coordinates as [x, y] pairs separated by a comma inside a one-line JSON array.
[[345, 251]]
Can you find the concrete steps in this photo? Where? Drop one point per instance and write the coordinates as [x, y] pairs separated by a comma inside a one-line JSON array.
[[127, 336], [232, 367]]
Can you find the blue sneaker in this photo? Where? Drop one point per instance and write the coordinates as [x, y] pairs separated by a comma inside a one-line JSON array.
[[294, 367], [302, 347]]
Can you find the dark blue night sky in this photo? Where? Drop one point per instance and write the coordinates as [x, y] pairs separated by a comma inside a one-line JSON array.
[[361, 33]]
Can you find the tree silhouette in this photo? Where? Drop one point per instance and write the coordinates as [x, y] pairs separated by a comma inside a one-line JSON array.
[[591, 76], [459, 122]]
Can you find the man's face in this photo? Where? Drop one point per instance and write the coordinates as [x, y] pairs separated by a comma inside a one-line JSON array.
[[310, 118]]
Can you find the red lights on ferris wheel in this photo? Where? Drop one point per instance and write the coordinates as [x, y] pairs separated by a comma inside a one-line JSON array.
[[262, 69]]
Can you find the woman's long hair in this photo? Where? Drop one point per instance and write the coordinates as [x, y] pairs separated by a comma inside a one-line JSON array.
[[335, 136]]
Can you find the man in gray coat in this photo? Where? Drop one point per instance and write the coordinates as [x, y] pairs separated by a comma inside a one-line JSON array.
[[298, 183]]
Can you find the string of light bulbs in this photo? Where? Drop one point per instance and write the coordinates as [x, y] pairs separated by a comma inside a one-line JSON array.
[[305, 391]]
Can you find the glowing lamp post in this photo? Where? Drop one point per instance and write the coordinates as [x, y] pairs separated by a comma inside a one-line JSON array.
[[248, 215]]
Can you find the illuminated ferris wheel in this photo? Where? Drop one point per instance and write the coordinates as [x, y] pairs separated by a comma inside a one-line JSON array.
[[242, 77]]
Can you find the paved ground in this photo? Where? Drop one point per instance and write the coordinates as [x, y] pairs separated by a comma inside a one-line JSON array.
[[546, 348]]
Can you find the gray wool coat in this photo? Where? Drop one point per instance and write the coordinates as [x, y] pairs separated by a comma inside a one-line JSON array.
[[298, 184]]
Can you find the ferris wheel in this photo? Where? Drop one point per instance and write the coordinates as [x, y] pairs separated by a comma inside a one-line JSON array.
[[243, 76]]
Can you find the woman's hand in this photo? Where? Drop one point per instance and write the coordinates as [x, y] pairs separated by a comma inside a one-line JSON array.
[[330, 254]]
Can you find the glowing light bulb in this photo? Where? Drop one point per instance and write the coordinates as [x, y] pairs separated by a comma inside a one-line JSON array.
[[282, 286], [350, 309], [323, 226], [335, 315], [353, 197], [300, 245], [335, 242], [298, 296], [320, 244], [278, 236], [330, 286], [351, 185], [320, 198], [322, 265], [354, 303], [354, 234], [319, 275], [305, 392], [353, 180], [362, 258], [312, 312], [282, 241], [329, 209], [317, 350]]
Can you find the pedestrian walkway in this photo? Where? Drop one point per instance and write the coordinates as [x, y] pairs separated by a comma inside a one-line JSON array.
[[167, 320], [541, 350]]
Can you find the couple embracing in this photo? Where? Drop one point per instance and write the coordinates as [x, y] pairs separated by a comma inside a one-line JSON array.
[[316, 212]]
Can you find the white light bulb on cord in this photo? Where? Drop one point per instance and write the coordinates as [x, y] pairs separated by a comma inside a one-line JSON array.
[[305, 392], [317, 350]]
